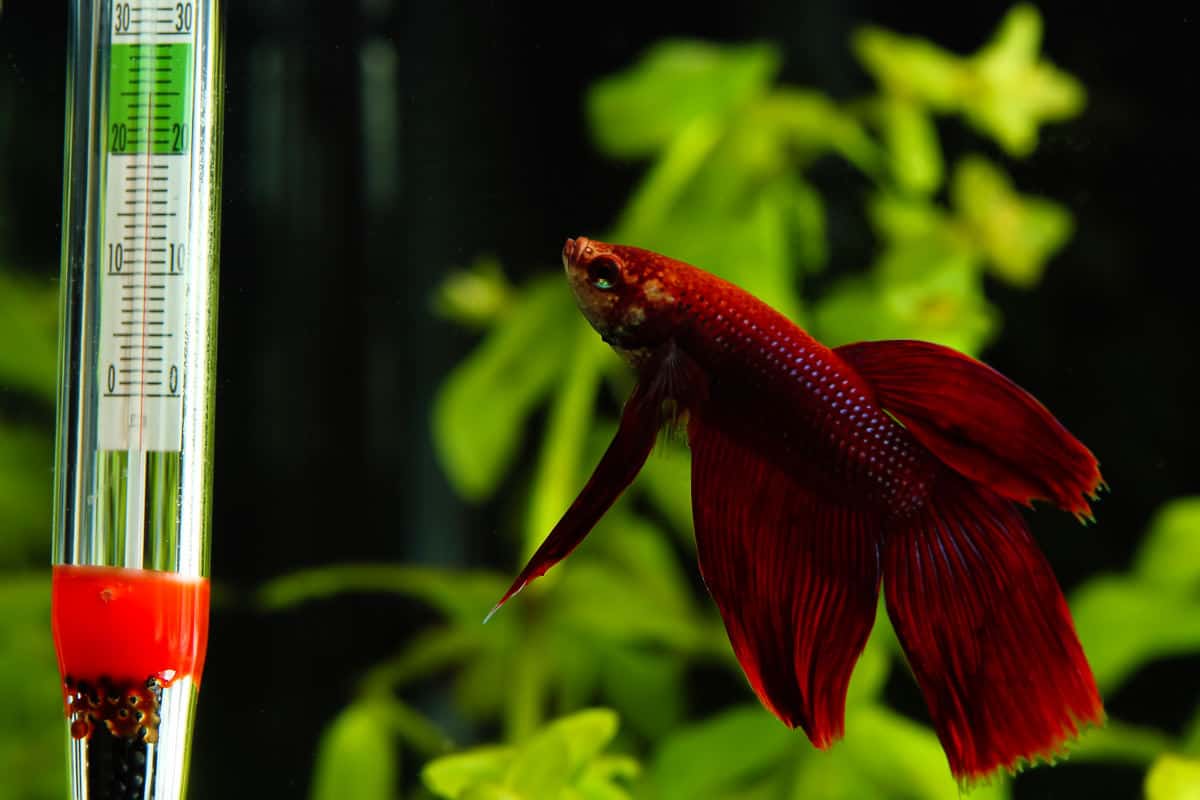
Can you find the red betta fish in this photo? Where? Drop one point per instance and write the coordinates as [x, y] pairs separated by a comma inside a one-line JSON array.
[[817, 474]]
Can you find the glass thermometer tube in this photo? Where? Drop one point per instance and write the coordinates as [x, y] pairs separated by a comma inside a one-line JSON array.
[[133, 465]]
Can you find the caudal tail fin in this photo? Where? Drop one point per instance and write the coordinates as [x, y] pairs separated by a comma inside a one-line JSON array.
[[974, 602], [986, 631]]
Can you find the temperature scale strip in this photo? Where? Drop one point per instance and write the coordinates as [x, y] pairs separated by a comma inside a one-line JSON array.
[[147, 206]]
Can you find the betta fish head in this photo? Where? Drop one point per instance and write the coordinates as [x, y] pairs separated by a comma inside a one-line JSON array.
[[626, 293]]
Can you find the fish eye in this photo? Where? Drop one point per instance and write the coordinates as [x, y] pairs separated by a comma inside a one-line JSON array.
[[603, 274]]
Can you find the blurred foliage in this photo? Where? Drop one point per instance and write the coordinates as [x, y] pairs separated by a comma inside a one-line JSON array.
[[1151, 612], [356, 759], [26, 464], [1006, 90], [32, 737], [729, 185], [591, 636], [1174, 778], [28, 330], [28, 316], [562, 760], [32, 742], [475, 297]]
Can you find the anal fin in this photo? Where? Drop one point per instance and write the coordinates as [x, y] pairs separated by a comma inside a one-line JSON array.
[[794, 574]]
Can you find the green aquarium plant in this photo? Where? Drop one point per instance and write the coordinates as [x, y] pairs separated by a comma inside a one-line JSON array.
[[31, 740], [563, 759], [731, 183], [1125, 620]]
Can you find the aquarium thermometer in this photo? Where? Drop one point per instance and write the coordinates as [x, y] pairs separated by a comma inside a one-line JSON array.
[[147, 221], [133, 465]]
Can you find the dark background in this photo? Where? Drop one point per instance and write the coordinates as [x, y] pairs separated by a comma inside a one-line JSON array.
[[371, 147]]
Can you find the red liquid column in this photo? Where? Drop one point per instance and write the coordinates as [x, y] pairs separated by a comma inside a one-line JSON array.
[[123, 635]]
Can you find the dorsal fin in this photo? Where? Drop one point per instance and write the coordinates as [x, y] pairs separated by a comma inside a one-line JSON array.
[[979, 422]]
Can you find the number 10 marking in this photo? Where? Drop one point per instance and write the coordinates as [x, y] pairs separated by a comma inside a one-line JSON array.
[[176, 258]]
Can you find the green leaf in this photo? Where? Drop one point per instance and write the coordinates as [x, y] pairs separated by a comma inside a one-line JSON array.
[[1017, 38], [26, 485], [1121, 743], [580, 663], [705, 759], [934, 293], [666, 480], [454, 775], [808, 224], [886, 755], [1174, 778], [632, 546], [646, 686], [598, 600], [475, 297], [812, 124], [907, 220], [638, 111], [541, 767], [602, 778], [414, 729], [1005, 90], [480, 409], [625, 608], [1012, 91], [483, 684], [1170, 553], [883, 755], [1018, 234], [555, 762], [647, 211], [460, 594], [34, 734], [913, 147], [356, 757], [920, 290], [911, 68], [490, 791], [28, 316], [586, 733], [526, 687], [1125, 623]]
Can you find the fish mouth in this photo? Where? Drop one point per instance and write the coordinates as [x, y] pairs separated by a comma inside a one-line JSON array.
[[574, 250]]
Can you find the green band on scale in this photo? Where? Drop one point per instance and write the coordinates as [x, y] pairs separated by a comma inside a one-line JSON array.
[[155, 78]]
